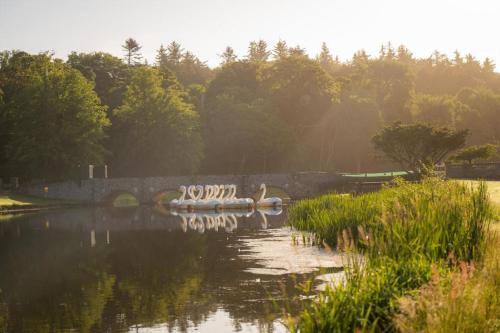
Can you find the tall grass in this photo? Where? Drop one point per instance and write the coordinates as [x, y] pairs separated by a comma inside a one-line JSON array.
[[466, 300], [403, 231]]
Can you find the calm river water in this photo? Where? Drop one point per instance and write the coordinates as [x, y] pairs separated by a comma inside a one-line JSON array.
[[143, 270]]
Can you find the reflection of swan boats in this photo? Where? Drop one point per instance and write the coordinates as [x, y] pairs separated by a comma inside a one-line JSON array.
[[219, 197], [268, 211], [202, 221]]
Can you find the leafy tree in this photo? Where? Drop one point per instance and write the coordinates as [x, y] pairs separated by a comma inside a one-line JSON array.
[[56, 121], [240, 132], [244, 137], [418, 147], [132, 51], [393, 86], [439, 110], [108, 73], [487, 104], [301, 94], [299, 90], [228, 56], [356, 120], [473, 153], [157, 131]]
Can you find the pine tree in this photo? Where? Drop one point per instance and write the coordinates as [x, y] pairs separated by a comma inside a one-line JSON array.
[[382, 52], [228, 56], [297, 51], [325, 59], [174, 53], [257, 51], [161, 56], [457, 60], [404, 54], [280, 50], [132, 54], [488, 65], [390, 54]]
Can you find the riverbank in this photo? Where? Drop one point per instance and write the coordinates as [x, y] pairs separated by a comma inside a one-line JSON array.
[[407, 234], [11, 203]]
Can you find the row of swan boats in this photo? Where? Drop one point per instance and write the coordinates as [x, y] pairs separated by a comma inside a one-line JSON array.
[[219, 197]]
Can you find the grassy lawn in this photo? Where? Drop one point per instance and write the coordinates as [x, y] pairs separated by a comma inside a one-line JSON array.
[[493, 189], [494, 193], [19, 200]]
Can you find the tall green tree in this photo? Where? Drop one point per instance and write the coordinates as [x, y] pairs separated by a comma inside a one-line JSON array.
[[132, 51], [158, 133], [56, 120]]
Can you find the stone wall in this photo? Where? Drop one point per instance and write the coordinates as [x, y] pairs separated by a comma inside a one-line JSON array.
[[474, 171], [100, 191]]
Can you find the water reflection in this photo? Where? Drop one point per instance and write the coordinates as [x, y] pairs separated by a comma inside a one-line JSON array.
[[95, 270]]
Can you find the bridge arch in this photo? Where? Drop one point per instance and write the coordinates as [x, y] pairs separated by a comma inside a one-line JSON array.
[[121, 198], [164, 196]]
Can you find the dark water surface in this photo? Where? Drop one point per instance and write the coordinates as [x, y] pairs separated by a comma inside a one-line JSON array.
[[143, 270]]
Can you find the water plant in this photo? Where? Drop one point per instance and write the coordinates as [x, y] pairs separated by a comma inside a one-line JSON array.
[[405, 232]]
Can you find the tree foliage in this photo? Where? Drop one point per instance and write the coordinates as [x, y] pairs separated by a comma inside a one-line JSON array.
[[274, 109], [132, 51], [158, 132], [53, 119], [418, 147], [474, 153]]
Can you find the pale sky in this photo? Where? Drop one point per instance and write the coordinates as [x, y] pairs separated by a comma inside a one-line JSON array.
[[207, 27]]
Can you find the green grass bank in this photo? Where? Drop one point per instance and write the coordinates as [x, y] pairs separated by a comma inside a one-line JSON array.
[[18, 202], [407, 234]]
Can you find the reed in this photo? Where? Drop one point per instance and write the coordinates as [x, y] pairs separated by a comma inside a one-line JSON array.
[[403, 231]]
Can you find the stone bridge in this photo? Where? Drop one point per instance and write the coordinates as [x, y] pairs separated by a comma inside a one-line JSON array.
[[146, 190]]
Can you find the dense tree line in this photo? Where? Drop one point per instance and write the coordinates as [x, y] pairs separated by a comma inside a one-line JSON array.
[[273, 109]]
